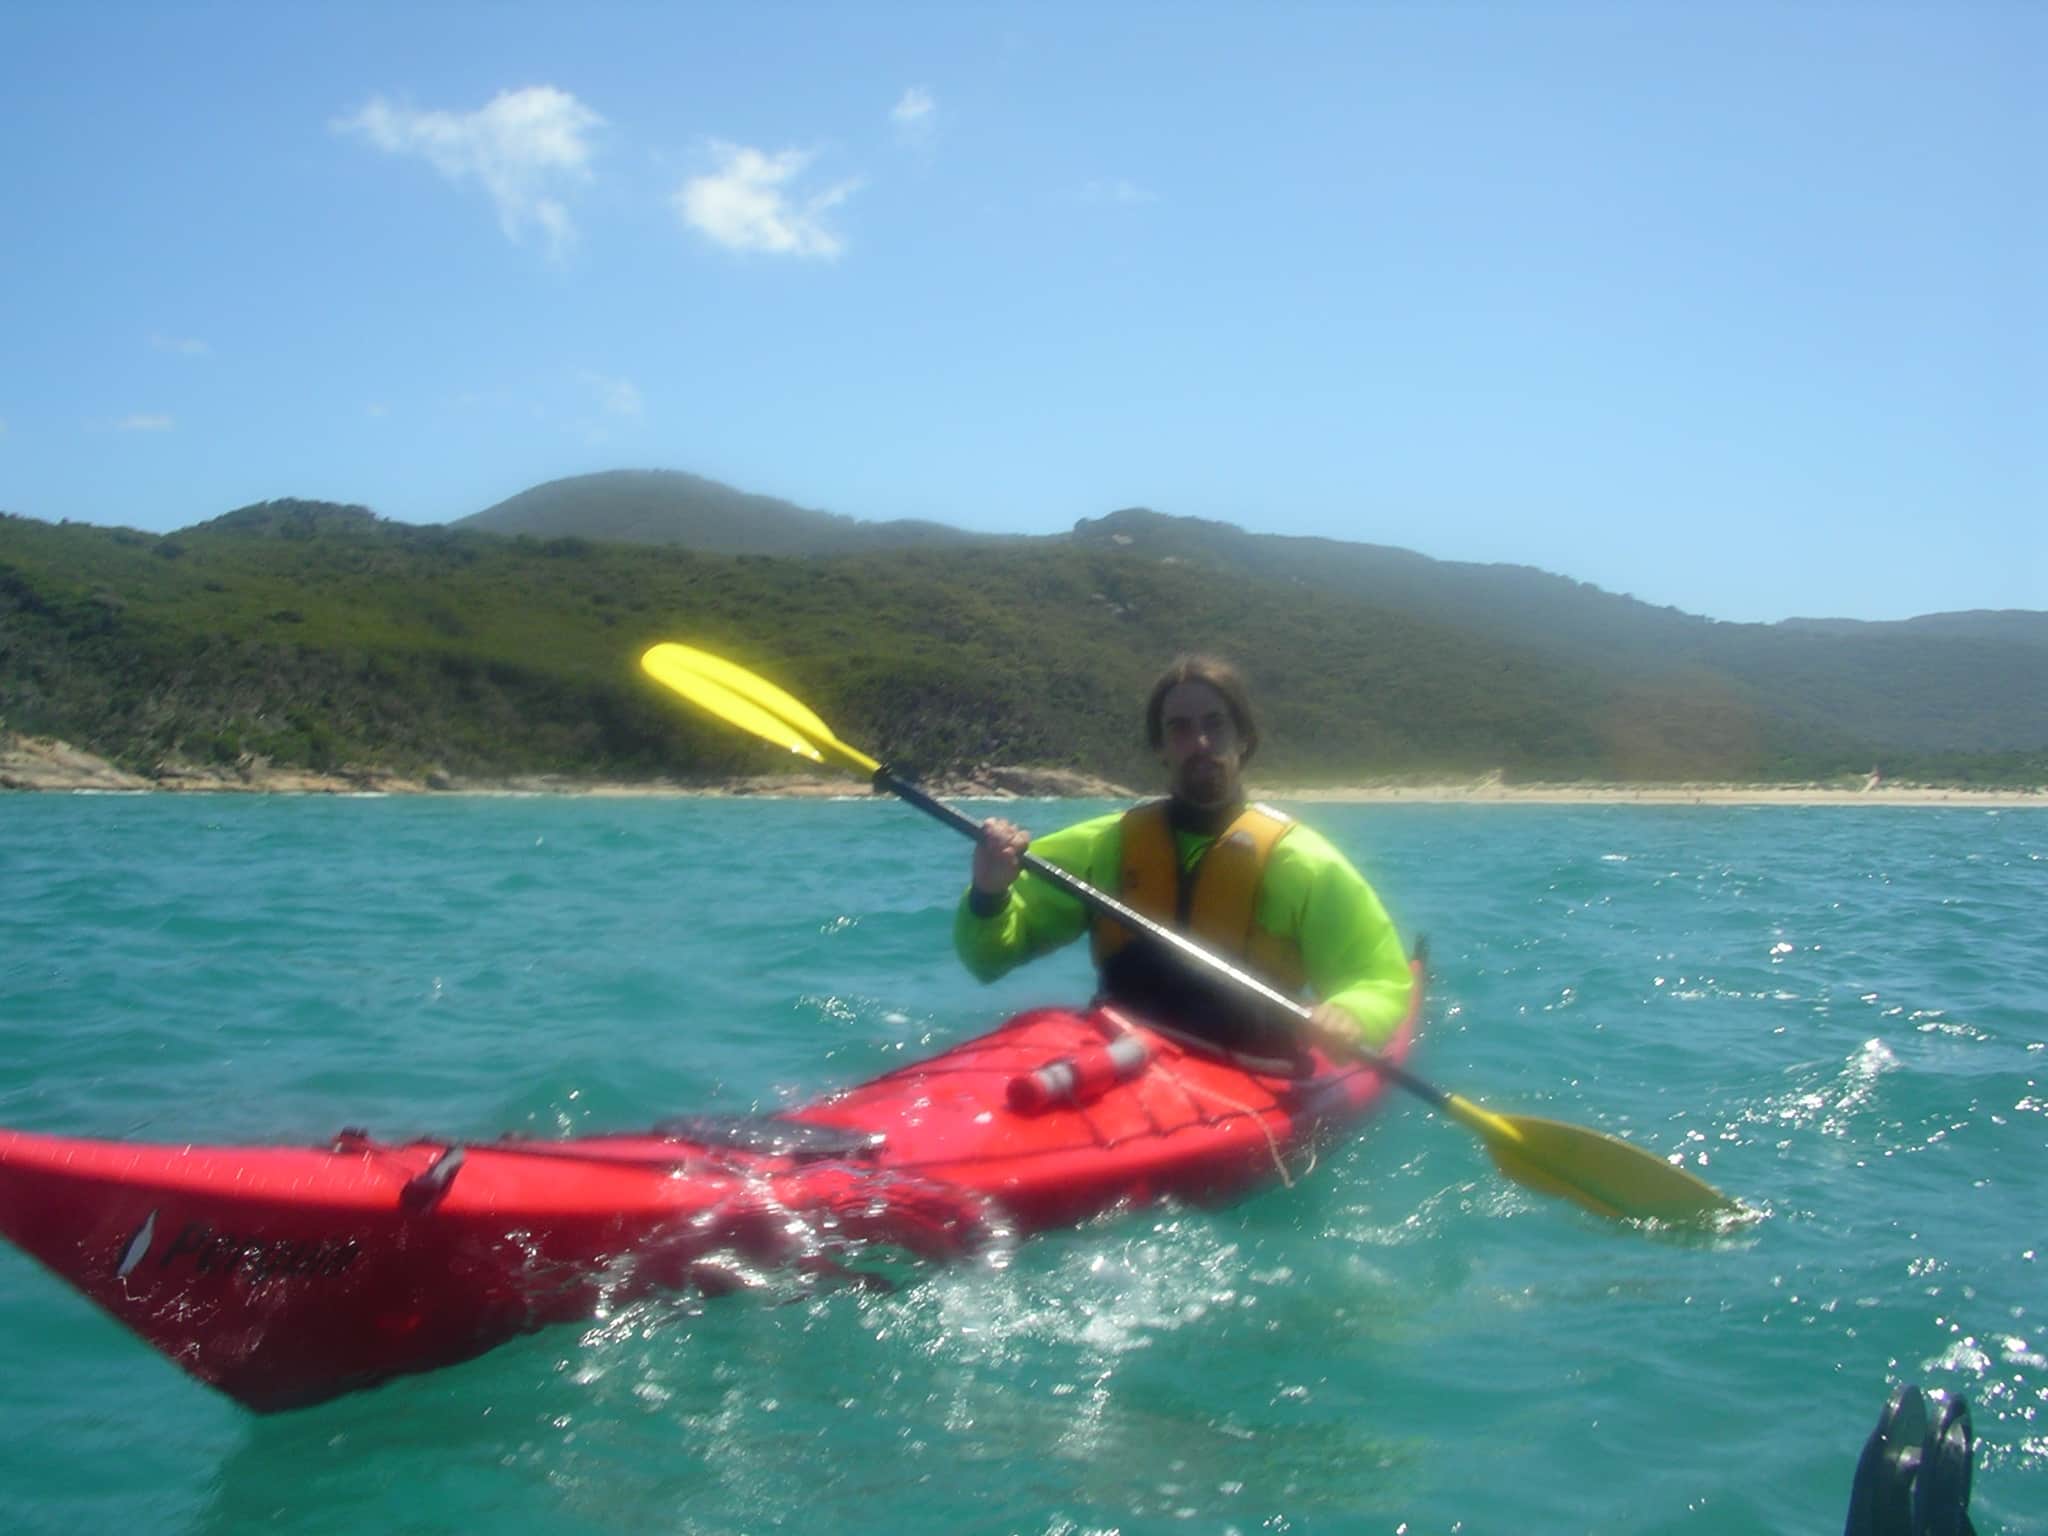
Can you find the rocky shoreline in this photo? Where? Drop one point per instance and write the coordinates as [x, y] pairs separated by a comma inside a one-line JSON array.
[[52, 766], [42, 763]]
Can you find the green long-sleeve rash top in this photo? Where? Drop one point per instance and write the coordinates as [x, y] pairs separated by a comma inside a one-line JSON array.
[[1310, 892]]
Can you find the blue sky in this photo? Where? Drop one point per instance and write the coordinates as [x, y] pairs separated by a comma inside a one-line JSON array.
[[1735, 308]]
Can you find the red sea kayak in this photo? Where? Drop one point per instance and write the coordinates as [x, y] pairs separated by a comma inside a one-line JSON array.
[[286, 1275]]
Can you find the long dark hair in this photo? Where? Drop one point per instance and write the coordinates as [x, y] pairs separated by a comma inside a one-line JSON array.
[[1218, 674]]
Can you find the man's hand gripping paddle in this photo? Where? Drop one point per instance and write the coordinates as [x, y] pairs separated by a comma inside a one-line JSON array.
[[1607, 1176]]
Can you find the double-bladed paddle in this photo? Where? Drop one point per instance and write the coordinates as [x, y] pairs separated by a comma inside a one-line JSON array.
[[1605, 1175]]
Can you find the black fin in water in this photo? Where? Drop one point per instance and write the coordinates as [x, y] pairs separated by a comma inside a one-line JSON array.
[[1941, 1494], [1881, 1498], [1913, 1479]]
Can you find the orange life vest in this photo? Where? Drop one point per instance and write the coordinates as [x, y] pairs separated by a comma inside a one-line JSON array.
[[1214, 900]]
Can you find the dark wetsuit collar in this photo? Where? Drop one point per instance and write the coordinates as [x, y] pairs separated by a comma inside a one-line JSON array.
[[1201, 820]]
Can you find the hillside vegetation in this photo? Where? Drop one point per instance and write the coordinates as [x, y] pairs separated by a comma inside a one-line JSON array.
[[1942, 684], [321, 635]]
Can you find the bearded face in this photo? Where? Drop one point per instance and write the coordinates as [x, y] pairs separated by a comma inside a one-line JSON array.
[[1200, 745]]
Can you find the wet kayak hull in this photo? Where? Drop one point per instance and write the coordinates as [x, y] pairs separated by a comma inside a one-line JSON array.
[[287, 1275]]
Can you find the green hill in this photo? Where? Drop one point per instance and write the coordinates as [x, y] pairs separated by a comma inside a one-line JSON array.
[[1944, 683], [321, 635]]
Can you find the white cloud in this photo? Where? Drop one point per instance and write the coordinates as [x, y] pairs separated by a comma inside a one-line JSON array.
[[1115, 189], [916, 116], [184, 346], [747, 204], [527, 147], [914, 109], [616, 397], [144, 421]]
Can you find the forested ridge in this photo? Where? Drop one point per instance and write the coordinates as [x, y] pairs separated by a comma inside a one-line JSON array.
[[315, 634]]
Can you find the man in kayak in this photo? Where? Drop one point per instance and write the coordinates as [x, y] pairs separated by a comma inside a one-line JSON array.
[[1246, 881]]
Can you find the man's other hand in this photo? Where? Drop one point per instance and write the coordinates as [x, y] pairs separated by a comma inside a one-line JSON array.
[[1334, 1030]]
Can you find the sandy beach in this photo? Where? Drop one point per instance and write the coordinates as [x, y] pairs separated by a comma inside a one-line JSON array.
[[1487, 793]]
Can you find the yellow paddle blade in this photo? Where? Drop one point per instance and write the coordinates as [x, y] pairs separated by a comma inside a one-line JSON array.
[[748, 685], [738, 697], [1604, 1174], [728, 706]]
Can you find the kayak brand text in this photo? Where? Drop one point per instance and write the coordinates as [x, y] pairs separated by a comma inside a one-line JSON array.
[[261, 1258]]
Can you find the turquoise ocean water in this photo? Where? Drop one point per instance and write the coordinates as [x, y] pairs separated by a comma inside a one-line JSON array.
[[1839, 1012]]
